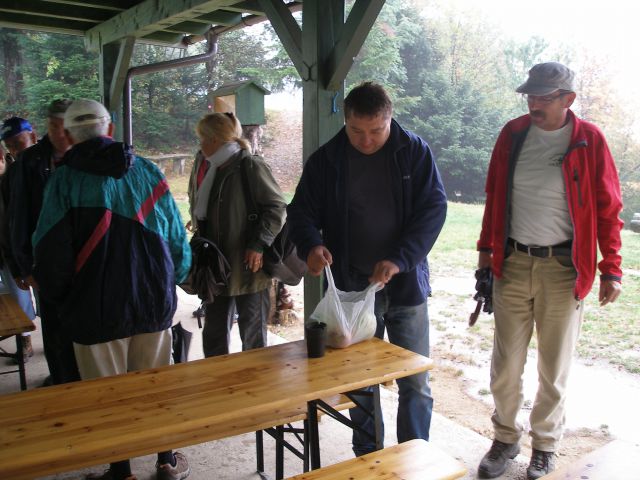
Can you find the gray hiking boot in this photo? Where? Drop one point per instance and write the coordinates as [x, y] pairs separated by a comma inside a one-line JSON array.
[[541, 464], [494, 463]]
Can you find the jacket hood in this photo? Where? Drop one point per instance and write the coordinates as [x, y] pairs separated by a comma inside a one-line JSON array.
[[100, 156]]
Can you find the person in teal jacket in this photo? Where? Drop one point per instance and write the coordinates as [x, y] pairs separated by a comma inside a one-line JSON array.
[[109, 249]]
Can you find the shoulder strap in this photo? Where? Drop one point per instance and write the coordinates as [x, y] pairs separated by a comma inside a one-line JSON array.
[[252, 209]]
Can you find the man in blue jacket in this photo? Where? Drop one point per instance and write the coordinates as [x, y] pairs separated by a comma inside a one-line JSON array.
[[371, 204], [109, 249]]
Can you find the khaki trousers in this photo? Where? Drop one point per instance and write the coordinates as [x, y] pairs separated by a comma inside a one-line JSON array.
[[533, 291], [147, 350]]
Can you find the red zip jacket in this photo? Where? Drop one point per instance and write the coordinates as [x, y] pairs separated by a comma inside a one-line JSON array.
[[593, 193]]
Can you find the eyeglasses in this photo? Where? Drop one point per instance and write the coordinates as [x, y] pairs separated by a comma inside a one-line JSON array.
[[545, 99]]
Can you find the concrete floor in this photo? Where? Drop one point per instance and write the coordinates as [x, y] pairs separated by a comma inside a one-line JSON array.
[[235, 458]]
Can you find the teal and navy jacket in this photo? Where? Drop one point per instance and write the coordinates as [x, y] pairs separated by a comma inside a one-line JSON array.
[[110, 245]]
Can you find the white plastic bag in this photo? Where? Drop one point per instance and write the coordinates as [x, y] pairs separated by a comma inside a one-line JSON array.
[[349, 316]]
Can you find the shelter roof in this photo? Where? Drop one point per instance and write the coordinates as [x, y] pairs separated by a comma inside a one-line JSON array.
[[161, 22]]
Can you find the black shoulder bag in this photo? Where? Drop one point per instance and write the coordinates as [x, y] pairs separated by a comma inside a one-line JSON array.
[[210, 270], [280, 259]]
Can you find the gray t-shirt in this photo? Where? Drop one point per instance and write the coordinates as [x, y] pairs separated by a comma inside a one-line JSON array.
[[540, 212], [373, 226]]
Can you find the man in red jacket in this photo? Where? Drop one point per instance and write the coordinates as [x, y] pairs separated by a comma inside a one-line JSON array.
[[553, 197]]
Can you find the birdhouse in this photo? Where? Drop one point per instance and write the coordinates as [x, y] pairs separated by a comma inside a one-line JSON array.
[[244, 99]]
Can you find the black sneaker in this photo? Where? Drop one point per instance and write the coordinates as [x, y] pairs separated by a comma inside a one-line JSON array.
[[494, 463], [541, 464]]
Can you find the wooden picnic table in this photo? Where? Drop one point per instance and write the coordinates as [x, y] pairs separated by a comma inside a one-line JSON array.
[[13, 323], [76, 425], [177, 160]]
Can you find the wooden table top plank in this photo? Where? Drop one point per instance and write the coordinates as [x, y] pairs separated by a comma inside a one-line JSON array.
[[12, 319], [143, 412], [412, 460], [239, 383]]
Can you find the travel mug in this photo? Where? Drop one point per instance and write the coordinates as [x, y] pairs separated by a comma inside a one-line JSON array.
[[315, 334]]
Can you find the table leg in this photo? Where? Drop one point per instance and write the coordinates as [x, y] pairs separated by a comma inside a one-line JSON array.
[[377, 417], [20, 360], [305, 443], [259, 453], [314, 435]]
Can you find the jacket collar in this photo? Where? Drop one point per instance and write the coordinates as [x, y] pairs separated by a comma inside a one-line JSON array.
[[522, 124], [335, 148]]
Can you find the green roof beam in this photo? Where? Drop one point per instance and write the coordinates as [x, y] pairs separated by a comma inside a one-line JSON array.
[[353, 35], [147, 18]]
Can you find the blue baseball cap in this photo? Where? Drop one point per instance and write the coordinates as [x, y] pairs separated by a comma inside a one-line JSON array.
[[13, 126]]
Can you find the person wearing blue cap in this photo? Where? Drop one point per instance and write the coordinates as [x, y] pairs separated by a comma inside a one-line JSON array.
[[17, 134]]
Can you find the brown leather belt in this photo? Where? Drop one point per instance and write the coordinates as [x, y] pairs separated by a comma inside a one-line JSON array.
[[560, 250]]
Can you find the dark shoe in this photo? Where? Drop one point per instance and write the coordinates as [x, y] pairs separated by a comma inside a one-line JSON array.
[[27, 349], [494, 463], [47, 382], [541, 464], [178, 472]]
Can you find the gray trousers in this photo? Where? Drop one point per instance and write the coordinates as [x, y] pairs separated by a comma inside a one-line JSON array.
[[252, 309]]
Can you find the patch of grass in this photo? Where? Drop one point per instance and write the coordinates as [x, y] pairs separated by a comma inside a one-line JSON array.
[[610, 333]]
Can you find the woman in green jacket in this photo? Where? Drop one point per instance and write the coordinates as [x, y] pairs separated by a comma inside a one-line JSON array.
[[219, 213]]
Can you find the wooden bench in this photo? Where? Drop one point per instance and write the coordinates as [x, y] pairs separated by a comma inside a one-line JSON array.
[[412, 460], [13, 323], [617, 460]]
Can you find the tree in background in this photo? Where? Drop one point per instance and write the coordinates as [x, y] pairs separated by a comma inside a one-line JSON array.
[[44, 67], [451, 76], [167, 105], [11, 73]]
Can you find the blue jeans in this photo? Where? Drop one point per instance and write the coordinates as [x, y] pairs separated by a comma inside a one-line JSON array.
[[23, 297], [407, 327]]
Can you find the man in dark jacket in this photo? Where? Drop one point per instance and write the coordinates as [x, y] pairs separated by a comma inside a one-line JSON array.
[[110, 247], [371, 204], [29, 175]]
